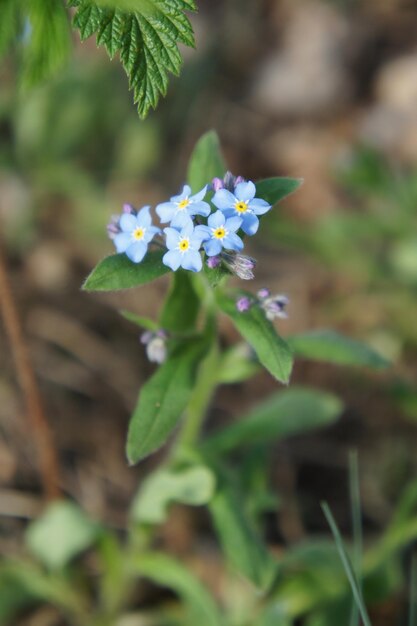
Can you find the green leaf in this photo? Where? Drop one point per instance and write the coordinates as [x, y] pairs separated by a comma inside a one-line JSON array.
[[118, 272], [271, 349], [236, 365], [166, 572], [163, 399], [206, 162], [146, 37], [330, 346], [48, 43], [192, 485], [139, 320], [182, 304], [241, 544], [9, 23], [286, 413], [275, 189], [60, 534]]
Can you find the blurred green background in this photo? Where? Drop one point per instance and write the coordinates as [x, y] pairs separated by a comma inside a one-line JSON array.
[[322, 90]]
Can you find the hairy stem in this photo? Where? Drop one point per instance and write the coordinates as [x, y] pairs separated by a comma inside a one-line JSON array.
[[48, 463]]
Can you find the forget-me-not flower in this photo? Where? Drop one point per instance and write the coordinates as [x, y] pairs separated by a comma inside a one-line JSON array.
[[242, 203], [180, 209], [183, 248], [136, 231], [221, 233]]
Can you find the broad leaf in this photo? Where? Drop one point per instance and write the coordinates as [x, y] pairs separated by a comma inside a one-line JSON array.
[[271, 349], [118, 272], [182, 304], [166, 572], [60, 534], [206, 162], [163, 399], [275, 189], [192, 485], [146, 37], [330, 346], [288, 412]]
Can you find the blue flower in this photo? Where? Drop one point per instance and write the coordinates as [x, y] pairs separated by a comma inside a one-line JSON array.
[[221, 233], [242, 203], [181, 209], [183, 248], [136, 231]]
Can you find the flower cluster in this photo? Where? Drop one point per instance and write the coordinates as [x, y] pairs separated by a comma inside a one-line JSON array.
[[195, 225], [274, 306]]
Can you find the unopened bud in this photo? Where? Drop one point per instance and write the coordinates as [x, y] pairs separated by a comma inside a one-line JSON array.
[[243, 304]]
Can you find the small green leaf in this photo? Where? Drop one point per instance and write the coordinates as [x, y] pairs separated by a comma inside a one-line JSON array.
[[166, 572], [271, 349], [139, 320], [241, 544], [163, 399], [60, 534], [206, 162], [275, 189], [288, 412], [182, 304], [236, 365], [118, 272], [330, 346], [193, 486]]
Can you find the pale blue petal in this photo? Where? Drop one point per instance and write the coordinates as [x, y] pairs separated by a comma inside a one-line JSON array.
[[150, 233], [186, 190], [128, 222], [258, 206], [192, 261], [122, 241], [198, 196], [216, 219], [137, 251], [201, 232], [230, 213], [166, 211], [199, 208], [223, 199], [233, 242], [213, 247], [233, 224], [245, 191], [188, 229], [181, 219], [250, 223], [172, 259], [172, 237], [144, 218]]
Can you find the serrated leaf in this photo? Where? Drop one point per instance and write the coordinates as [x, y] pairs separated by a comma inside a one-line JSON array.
[[271, 350], [192, 485], [118, 272], [181, 307], [165, 571], [275, 189], [333, 347], [286, 413], [206, 162], [162, 400], [146, 33], [60, 534]]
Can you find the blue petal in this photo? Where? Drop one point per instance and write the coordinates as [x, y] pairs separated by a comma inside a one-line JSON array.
[[233, 224], [230, 213], [128, 222], [166, 211], [172, 259], [201, 232], [181, 219], [172, 237], [188, 229], [143, 218], [233, 242], [198, 196], [192, 261], [136, 251], [245, 191], [213, 247], [199, 208], [223, 199], [150, 233], [186, 190], [250, 223], [258, 206], [216, 219], [122, 241]]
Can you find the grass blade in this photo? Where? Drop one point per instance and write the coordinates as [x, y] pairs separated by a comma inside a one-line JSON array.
[[355, 506]]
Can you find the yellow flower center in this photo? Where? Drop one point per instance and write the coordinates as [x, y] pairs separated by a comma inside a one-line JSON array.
[[219, 233], [183, 204], [138, 233], [183, 245], [241, 207]]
